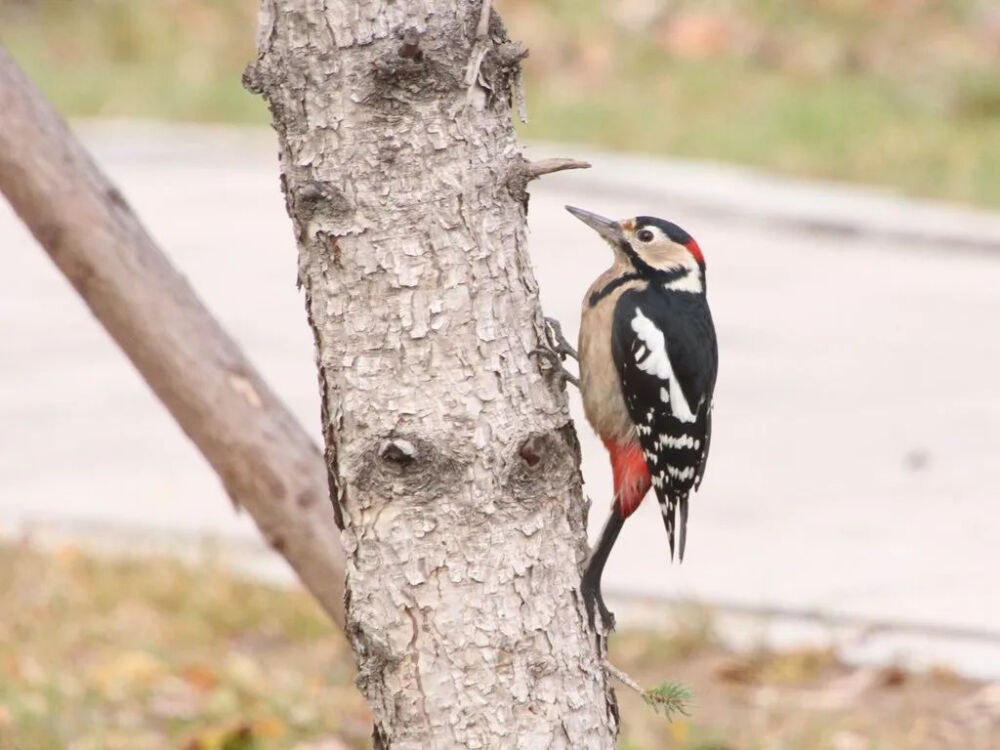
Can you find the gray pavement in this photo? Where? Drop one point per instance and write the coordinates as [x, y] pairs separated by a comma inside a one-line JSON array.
[[853, 471]]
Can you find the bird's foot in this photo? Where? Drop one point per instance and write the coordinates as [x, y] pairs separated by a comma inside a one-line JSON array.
[[557, 368], [595, 606], [557, 342], [556, 350]]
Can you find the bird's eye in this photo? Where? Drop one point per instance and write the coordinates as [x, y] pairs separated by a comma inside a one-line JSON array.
[[645, 235]]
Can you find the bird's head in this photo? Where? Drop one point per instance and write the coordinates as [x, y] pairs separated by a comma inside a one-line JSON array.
[[651, 246]]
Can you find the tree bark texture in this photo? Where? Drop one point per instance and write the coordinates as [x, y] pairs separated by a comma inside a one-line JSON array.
[[264, 458], [455, 461]]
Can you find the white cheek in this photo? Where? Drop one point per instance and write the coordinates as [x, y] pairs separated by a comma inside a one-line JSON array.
[[691, 282]]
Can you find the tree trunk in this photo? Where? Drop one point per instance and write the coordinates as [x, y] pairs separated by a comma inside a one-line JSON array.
[[266, 461], [456, 462]]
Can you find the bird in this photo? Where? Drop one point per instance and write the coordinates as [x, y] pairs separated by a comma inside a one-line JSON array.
[[648, 359]]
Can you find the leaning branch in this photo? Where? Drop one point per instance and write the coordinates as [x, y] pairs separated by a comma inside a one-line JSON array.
[[266, 461]]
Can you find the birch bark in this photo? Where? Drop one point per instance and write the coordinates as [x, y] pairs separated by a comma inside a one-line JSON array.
[[454, 464]]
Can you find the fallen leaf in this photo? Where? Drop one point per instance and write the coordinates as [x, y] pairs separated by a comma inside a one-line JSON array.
[[892, 677], [200, 676], [697, 35], [269, 727]]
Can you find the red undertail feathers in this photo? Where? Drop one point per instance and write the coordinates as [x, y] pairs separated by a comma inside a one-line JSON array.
[[631, 475]]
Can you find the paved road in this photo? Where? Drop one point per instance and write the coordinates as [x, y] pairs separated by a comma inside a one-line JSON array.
[[854, 466]]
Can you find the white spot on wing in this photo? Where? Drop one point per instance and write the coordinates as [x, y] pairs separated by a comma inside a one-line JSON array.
[[664, 396], [640, 353], [680, 474], [658, 364], [683, 441]]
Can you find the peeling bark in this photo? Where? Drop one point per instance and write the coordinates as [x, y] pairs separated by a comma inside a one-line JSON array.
[[455, 463]]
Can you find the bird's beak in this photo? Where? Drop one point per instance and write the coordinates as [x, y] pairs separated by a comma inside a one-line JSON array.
[[608, 229]]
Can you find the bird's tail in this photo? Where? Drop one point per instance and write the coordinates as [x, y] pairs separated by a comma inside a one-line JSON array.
[[673, 520], [682, 541]]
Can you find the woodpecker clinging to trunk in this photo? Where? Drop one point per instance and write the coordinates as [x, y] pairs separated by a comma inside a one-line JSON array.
[[648, 360]]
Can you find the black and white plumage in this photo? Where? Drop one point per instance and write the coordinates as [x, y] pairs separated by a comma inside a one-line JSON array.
[[664, 347], [648, 360]]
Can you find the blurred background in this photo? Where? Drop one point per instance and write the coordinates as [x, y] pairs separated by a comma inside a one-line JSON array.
[[903, 93], [839, 163]]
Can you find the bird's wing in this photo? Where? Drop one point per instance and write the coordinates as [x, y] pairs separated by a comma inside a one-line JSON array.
[[665, 350]]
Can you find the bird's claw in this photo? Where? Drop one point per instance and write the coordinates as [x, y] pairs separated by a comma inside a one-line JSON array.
[[595, 606], [557, 341], [557, 366], [556, 350]]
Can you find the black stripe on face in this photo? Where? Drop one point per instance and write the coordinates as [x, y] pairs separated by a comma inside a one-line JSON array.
[[644, 270], [611, 286], [641, 266]]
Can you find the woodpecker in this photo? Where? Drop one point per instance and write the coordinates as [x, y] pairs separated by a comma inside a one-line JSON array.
[[648, 360]]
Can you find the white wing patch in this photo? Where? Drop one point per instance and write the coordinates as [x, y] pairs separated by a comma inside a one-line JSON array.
[[658, 364]]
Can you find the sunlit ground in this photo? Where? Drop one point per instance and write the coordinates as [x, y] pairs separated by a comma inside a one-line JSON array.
[[151, 654], [904, 94]]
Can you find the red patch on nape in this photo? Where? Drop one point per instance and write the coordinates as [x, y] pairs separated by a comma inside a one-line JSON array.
[[631, 475], [693, 248]]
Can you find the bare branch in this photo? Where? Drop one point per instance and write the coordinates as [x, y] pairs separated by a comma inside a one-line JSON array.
[[623, 678], [669, 699], [266, 461], [522, 171], [535, 169]]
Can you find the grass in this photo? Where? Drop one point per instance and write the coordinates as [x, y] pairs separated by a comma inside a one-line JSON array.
[[148, 654], [902, 94], [170, 59], [850, 128], [789, 87]]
